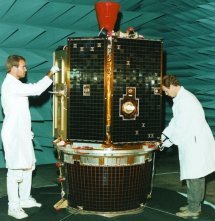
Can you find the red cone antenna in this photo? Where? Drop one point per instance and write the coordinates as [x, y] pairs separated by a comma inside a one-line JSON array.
[[107, 14]]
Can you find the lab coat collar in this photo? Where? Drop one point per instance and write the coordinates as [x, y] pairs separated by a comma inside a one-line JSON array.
[[11, 76], [180, 92]]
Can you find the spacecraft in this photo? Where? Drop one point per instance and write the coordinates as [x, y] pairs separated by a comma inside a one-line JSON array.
[[107, 117]]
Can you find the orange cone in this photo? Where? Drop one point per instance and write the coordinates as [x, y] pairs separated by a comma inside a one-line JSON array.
[[107, 14]]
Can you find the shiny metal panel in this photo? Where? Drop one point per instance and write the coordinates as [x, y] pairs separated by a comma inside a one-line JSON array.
[[60, 91]]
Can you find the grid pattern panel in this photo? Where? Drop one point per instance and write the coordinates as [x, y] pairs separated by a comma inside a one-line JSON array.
[[108, 189], [137, 63], [86, 105]]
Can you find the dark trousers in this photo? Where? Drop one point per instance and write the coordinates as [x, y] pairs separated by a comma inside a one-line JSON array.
[[195, 193]]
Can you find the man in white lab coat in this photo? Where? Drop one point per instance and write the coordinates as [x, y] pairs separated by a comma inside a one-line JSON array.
[[189, 130], [17, 136]]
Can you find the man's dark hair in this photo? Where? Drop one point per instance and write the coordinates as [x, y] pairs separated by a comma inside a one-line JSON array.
[[170, 80], [13, 60]]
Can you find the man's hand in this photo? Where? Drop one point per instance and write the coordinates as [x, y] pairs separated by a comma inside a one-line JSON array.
[[55, 69], [163, 137], [167, 143]]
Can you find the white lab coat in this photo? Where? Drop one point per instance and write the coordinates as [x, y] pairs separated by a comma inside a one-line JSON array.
[[189, 130], [16, 130]]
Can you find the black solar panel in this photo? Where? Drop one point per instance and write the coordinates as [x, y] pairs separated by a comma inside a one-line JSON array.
[[137, 66], [86, 112], [136, 83]]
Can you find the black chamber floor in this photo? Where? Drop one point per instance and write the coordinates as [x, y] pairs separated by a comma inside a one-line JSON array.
[[161, 207]]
